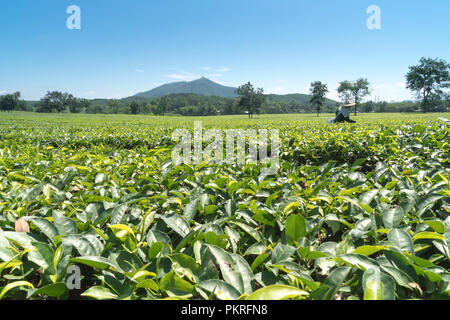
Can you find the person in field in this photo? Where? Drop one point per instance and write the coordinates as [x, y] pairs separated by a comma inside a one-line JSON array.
[[343, 115]]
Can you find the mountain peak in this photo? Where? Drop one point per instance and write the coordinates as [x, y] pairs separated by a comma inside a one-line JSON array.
[[201, 79], [204, 79]]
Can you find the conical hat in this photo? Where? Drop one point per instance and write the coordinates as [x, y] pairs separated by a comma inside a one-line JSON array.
[[347, 103]]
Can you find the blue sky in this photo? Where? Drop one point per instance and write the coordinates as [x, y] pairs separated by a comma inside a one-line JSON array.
[[126, 47]]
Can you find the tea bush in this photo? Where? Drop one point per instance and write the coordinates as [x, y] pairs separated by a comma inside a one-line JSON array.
[[355, 211]]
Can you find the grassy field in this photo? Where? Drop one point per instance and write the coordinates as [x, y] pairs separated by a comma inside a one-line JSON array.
[[217, 120], [354, 211]]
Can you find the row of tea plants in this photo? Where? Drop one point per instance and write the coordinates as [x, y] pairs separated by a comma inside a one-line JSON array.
[[354, 212]]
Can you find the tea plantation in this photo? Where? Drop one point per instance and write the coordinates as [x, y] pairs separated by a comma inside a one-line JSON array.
[[93, 207]]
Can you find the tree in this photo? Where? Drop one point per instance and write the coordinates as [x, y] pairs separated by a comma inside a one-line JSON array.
[[78, 105], [56, 101], [381, 106], [446, 102], [369, 106], [428, 79], [345, 90], [229, 107], [250, 99], [114, 106], [360, 90], [92, 108], [318, 91], [356, 90], [145, 108], [134, 107], [162, 106], [10, 102]]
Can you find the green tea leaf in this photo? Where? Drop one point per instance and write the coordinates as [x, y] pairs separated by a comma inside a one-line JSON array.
[[277, 292], [99, 293], [295, 228], [401, 239]]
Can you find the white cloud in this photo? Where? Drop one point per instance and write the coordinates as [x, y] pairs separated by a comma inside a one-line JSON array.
[[276, 90], [189, 76], [89, 93], [124, 94], [390, 92], [223, 69], [139, 70], [183, 76]]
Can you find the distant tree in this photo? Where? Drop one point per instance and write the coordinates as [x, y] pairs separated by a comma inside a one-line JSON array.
[[250, 99], [446, 102], [145, 108], [356, 90], [56, 101], [85, 104], [79, 105], [94, 108], [345, 90], [360, 90], [427, 80], [113, 106], [163, 106], [23, 106], [318, 91], [369, 106], [10, 102], [210, 110], [134, 107], [43, 107], [229, 107], [381, 106], [151, 108]]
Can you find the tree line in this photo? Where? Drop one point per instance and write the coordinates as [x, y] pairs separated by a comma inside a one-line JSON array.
[[429, 80]]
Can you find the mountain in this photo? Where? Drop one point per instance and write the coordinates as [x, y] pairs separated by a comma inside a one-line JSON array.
[[206, 87], [202, 86]]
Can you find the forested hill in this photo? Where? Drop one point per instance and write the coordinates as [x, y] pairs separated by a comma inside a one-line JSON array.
[[202, 86], [198, 105], [206, 87]]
